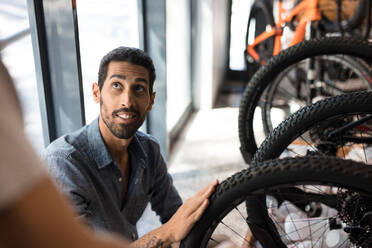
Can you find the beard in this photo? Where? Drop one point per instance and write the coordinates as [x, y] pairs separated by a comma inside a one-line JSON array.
[[120, 130]]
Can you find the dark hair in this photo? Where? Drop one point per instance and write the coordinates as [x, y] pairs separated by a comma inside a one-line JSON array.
[[130, 54]]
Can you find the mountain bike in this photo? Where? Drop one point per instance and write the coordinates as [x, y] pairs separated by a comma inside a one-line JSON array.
[[339, 126], [295, 202], [309, 201], [297, 77], [264, 36], [335, 193]]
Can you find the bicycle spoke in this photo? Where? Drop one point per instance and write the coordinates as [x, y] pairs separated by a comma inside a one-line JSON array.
[[333, 86], [234, 232], [344, 242], [214, 240], [292, 221], [363, 145], [325, 230], [306, 227], [292, 150], [240, 213], [316, 187], [343, 152], [308, 143]]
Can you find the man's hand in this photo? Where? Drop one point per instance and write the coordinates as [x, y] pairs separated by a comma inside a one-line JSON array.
[[181, 222], [190, 212]]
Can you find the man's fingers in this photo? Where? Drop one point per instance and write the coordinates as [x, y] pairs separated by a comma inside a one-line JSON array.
[[199, 212], [210, 190], [206, 188], [195, 202], [203, 201], [201, 192]]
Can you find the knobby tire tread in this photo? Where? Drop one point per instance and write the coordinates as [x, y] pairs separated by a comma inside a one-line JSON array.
[[300, 121], [270, 174]]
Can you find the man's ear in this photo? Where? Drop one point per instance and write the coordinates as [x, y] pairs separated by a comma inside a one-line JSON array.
[[96, 92], [152, 100]]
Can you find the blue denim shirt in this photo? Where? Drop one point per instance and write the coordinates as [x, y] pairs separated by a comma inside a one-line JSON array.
[[85, 171]]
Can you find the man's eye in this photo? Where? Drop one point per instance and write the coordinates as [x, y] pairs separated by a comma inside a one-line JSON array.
[[116, 85], [140, 88]]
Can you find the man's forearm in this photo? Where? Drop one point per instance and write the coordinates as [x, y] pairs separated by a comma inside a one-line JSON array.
[[151, 242], [154, 239]]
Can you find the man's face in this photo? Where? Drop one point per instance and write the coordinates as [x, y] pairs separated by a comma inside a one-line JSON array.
[[124, 98]]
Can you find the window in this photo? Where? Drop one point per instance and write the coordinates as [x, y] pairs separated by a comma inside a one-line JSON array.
[[18, 57], [103, 26]]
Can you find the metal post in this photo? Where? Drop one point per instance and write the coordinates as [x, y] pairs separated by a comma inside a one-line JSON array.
[[53, 27], [153, 42]]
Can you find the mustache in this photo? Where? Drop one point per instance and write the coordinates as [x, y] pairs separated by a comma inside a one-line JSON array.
[[122, 110]]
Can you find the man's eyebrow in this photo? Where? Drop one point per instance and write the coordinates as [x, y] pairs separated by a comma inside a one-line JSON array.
[[118, 76], [140, 80], [123, 77]]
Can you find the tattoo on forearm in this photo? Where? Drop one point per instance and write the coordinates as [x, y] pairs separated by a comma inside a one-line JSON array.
[[153, 242]]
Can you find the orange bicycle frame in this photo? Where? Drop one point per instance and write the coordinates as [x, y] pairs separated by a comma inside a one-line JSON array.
[[309, 12]]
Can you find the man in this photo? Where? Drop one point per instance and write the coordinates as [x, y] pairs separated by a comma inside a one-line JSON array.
[[32, 212], [108, 169]]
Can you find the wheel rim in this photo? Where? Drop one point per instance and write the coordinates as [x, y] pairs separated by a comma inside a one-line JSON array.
[[282, 98]]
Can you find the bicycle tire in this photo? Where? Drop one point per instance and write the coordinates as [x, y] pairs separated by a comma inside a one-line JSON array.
[[261, 11], [270, 175], [267, 73], [356, 66], [354, 21], [264, 7], [303, 119], [295, 126]]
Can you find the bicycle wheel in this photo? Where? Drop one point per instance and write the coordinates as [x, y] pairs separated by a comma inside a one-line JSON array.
[[248, 125], [260, 19], [335, 75], [341, 189], [352, 13], [337, 126]]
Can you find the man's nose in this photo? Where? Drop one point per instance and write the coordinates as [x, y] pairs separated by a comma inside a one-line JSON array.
[[127, 98]]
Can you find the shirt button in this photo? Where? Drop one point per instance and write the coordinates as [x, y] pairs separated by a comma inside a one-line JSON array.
[[120, 179], [134, 236]]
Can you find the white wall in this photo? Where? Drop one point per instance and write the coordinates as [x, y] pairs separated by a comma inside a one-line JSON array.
[[178, 59], [210, 50], [221, 17]]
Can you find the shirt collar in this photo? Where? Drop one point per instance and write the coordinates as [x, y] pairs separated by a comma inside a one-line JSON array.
[[99, 152]]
